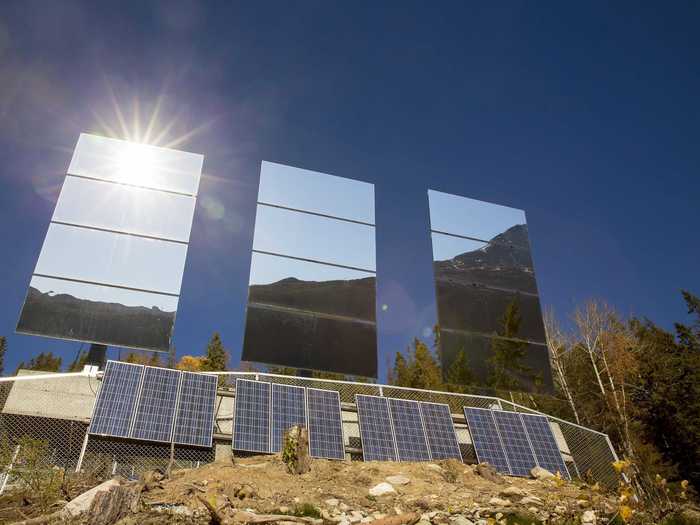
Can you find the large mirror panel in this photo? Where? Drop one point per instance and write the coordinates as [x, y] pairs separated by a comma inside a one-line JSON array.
[[129, 209], [472, 218], [312, 287], [316, 192], [136, 164], [464, 306], [112, 258], [312, 237], [98, 314], [494, 362], [464, 262], [303, 340]]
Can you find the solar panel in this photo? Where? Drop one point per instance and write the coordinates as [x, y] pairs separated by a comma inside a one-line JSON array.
[[288, 409], [375, 428], [442, 440], [544, 444], [515, 442], [195, 412], [116, 400], [485, 438], [409, 432], [325, 424], [155, 409], [251, 417]]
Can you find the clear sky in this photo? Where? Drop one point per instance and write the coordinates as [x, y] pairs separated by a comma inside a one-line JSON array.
[[583, 115]]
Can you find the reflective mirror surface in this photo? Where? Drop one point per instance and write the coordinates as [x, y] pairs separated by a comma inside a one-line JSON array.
[[122, 208], [470, 217], [136, 164], [112, 262], [100, 314], [496, 363], [112, 258], [485, 286], [316, 192], [312, 293], [296, 234]]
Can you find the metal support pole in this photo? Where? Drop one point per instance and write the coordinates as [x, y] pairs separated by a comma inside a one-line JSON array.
[[79, 466], [9, 468]]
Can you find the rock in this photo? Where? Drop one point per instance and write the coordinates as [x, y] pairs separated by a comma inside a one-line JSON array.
[[588, 518], [331, 502], [461, 520], [343, 507], [366, 520], [398, 480], [531, 500], [499, 502], [354, 517], [381, 489], [435, 467], [83, 502], [489, 473], [582, 503], [560, 509], [541, 473], [109, 506], [151, 479], [513, 491]]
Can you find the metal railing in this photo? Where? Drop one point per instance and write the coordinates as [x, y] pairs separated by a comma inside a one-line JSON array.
[[57, 410]]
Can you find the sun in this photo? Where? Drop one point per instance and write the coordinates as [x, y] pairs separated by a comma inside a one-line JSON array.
[[136, 165]]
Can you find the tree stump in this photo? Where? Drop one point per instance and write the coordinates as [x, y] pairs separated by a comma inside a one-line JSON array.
[[295, 450]]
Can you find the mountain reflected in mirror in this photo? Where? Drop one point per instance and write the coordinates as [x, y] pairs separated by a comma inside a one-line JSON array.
[[100, 314]]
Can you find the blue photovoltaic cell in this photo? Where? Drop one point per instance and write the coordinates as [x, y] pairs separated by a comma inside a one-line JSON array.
[[409, 433], [487, 443], [195, 412], [325, 424], [375, 428], [544, 444], [251, 418], [116, 400], [515, 442], [442, 440], [288, 409], [155, 409]]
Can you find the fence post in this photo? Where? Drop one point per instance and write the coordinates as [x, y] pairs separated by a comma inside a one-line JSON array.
[[79, 465], [9, 468]]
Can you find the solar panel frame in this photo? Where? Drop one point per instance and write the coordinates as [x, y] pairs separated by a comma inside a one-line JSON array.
[[195, 410], [318, 447], [376, 428], [516, 444], [105, 412], [157, 402], [544, 444], [409, 431], [257, 418], [440, 438], [487, 442], [286, 412]]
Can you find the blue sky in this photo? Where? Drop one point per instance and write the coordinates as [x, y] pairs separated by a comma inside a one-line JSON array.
[[583, 115]]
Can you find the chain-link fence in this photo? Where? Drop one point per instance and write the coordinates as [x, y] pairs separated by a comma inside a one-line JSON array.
[[58, 410]]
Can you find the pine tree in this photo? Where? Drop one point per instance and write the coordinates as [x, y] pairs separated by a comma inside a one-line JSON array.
[[216, 358], [79, 361], [45, 361], [3, 350]]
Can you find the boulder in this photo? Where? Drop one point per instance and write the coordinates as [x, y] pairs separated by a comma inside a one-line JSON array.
[[513, 491], [398, 480], [295, 450], [498, 502], [489, 473], [83, 502], [541, 473], [588, 518], [381, 489]]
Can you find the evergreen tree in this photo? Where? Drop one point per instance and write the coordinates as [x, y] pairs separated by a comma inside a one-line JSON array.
[[216, 357], [506, 362], [45, 361], [79, 361], [420, 369], [3, 350], [459, 373]]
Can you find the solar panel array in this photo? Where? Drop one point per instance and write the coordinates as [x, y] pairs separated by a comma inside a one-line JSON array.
[[544, 444], [514, 443], [376, 430], [487, 443], [392, 429], [442, 439], [264, 411], [154, 404], [411, 442], [288, 409]]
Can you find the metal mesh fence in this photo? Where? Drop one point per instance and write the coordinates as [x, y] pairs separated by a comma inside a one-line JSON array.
[[58, 410]]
